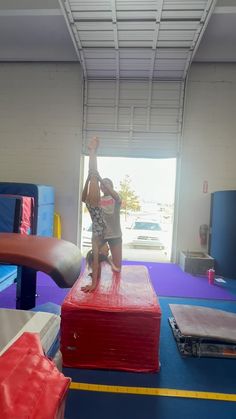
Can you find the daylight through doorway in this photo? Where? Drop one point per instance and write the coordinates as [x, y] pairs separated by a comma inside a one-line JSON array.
[[147, 189]]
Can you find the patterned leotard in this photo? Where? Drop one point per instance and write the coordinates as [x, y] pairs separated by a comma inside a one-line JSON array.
[[98, 223]]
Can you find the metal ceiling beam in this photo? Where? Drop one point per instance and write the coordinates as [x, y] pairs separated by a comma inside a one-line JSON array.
[[116, 39], [66, 10], [120, 30], [153, 57], [116, 43], [155, 36]]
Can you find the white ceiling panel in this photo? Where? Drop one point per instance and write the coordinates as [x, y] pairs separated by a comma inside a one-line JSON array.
[[169, 53], [166, 64], [129, 64], [167, 74], [47, 30], [170, 35], [135, 56], [134, 118], [175, 43], [147, 39]]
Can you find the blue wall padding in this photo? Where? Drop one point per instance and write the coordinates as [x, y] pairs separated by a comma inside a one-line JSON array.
[[8, 214], [43, 204], [43, 194], [45, 220], [223, 232]]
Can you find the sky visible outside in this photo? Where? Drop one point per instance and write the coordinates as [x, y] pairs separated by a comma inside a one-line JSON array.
[[153, 180]]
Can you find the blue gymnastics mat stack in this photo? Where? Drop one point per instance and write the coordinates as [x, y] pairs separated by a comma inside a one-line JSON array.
[[25, 208], [43, 211]]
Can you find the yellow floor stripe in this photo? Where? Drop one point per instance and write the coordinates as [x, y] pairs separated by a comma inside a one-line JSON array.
[[148, 391]]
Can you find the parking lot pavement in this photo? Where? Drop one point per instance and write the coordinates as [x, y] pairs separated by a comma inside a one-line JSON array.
[[144, 255]]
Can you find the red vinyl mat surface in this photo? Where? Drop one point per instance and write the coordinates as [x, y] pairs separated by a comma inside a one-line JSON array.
[[30, 384], [115, 327]]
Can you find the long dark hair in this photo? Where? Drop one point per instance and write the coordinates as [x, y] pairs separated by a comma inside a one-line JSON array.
[[89, 258]]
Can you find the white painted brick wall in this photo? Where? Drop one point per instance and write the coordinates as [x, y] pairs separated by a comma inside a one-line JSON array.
[[209, 146], [41, 131], [41, 136]]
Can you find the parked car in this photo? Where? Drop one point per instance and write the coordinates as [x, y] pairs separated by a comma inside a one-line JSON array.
[[146, 233]]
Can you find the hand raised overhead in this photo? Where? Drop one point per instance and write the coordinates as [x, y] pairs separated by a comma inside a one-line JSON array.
[[93, 143]]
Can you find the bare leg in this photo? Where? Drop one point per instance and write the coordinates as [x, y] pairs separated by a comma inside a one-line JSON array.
[[116, 253], [96, 268], [93, 197]]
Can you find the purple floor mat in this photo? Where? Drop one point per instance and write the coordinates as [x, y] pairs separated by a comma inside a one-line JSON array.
[[47, 291], [168, 280]]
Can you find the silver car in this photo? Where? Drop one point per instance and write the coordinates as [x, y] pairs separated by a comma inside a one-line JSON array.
[[87, 236], [145, 233]]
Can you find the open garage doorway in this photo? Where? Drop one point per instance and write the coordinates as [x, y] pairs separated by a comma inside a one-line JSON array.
[[147, 188]]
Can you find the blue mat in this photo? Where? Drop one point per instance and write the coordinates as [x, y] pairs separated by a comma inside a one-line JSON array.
[[229, 285], [200, 374], [88, 405], [8, 274]]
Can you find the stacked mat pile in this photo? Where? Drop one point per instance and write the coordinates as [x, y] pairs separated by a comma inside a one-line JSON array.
[[47, 325], [116, 327], [42, 197]]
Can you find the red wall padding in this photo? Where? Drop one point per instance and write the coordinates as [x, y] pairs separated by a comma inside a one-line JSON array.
[[115, 327]]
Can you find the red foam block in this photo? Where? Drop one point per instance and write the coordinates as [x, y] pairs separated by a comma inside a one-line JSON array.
[[115, 327], [30, 384]]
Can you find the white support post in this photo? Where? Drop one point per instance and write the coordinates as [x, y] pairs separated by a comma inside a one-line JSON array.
[[117, 103]]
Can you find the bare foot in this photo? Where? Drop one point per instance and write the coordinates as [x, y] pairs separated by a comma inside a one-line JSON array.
[[113, 267], [116, 271]]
